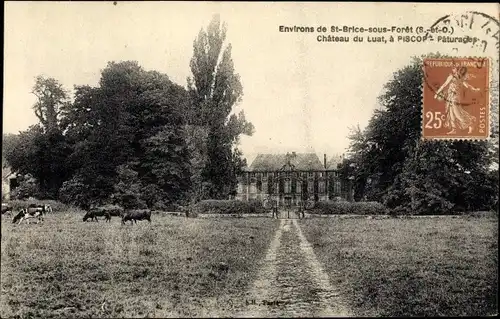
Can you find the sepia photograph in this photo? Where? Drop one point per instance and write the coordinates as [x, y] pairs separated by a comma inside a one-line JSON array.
[[190, 159]]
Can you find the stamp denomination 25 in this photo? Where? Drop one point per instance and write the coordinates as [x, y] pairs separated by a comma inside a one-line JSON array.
[[456, 98]]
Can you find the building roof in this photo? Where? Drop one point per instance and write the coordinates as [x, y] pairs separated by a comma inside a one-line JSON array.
[[333, 163], [274, 162]]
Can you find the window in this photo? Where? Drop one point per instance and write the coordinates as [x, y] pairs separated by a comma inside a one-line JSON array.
[[321, 187], [270, 185], [304, 190], [338, 186], [259, 186], [310, 187], [311, 174], [13, 183], [253, 189], [287, 186]]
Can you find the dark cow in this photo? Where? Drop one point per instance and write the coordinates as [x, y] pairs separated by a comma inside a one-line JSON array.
[[135, 215], [27, 214], [114, 210], [6, 208], [95, 212]]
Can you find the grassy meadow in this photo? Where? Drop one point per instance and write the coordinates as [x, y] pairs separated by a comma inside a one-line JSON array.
[[202, 267], [173, 267], [411, 267]]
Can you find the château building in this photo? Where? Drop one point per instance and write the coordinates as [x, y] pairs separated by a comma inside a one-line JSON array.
[[292, 178]]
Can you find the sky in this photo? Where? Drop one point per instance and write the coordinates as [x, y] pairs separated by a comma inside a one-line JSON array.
[[301, 95]]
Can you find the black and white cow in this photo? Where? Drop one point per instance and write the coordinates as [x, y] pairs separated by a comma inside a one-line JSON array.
[[28, 213], [45, 207]]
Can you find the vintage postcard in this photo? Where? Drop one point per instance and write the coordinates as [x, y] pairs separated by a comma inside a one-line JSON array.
[[270, 159]]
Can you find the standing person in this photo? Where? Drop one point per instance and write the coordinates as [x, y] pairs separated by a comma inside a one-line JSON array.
[[301, 211], [456, 115]]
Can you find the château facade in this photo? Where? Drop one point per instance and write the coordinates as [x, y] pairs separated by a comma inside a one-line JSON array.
[[291, 179]]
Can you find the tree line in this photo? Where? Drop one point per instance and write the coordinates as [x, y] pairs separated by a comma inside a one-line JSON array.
[[391, 163], [137, 138]]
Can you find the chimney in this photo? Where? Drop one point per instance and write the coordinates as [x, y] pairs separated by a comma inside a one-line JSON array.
[[324, 160]]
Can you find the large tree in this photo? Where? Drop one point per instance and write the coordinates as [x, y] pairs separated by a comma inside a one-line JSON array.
[[130, 125], [395, 166], [51, 99], [214, 90], [42, 150]]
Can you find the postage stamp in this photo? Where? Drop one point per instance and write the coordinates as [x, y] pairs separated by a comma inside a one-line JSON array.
[[456, 98]]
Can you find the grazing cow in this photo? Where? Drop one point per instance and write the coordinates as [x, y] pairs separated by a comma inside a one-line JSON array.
[[27, 214], [95, 212], [36, 208], [6, 208], [114, 210], [135, 215]]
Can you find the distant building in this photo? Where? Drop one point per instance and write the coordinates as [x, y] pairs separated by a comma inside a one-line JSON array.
[[9, 181], [292, 178]]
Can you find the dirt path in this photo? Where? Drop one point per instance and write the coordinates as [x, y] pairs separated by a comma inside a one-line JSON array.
[[291, 282]]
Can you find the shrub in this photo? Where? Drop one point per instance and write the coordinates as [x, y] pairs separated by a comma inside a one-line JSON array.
[[28, 187], [344, 208], [255, 206], [154, 197], [370, 208], [78, 192], [212, 206]]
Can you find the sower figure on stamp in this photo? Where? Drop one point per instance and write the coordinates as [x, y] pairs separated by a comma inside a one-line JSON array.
[[456, 116]]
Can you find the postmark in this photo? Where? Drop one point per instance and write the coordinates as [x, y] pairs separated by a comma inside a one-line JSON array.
[[481, 30], [456, 98]]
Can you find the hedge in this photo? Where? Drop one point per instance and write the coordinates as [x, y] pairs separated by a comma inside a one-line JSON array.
[[351, 208], [212, 206]]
